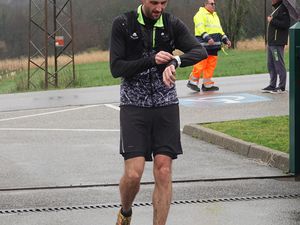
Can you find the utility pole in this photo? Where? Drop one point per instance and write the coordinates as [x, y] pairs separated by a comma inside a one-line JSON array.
[[294, 99], [265, 21], [51, 43]]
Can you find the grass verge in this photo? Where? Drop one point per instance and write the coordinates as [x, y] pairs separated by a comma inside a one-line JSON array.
[[237, 62], [272, 132]]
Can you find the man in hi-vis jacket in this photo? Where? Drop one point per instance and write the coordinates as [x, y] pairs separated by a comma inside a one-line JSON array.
[[209, 32]]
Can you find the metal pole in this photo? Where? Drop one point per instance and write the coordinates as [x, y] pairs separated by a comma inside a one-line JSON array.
[[294, 52], [55, 49], [72, 34], [29, 47], [265, 22], [46, 44]]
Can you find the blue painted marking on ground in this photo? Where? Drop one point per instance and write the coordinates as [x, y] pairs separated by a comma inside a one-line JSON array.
[[239, 98]]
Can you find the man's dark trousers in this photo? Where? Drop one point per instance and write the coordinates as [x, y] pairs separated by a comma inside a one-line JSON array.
[[276, 66]]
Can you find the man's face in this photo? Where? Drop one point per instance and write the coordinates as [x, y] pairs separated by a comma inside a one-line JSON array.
[[274, 1], [154, 8], [210, 5]]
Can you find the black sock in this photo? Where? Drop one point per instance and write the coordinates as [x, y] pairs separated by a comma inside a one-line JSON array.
[[126, 214]]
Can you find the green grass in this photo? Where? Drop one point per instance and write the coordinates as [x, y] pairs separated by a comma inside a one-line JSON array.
[[95, 74], [98, 74], [237, 63], [87, 75], [272, 132]]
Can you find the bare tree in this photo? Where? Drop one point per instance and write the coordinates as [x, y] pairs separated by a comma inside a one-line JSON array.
[[93, 19], [235, 11]]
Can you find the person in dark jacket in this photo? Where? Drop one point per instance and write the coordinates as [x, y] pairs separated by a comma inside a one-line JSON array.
[[278, 29], [141, 47]]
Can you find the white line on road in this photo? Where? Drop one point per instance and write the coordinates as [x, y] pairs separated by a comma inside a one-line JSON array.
[[118, 108], [112, 106], [58, 129], [48, 113]]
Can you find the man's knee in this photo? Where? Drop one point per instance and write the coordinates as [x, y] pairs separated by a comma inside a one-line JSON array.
[[133, 176], [163, 173], [163, 169], [134, 169]]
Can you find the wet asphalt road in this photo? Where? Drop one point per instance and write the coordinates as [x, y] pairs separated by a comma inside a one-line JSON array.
[[59, 149]]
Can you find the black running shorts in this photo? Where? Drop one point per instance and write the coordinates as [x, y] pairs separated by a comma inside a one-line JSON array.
[[147, 132]]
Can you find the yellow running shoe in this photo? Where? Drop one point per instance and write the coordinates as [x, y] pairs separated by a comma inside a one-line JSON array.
[[123, 220]]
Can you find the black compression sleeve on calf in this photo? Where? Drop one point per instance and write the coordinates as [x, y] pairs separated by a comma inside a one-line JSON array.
[[126, 214]]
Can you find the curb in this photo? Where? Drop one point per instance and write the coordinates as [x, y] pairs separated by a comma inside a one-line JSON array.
[[269, 156]]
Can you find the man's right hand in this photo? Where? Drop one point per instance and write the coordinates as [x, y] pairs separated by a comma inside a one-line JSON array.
[[211, 41], [269, 18], [163, 57]]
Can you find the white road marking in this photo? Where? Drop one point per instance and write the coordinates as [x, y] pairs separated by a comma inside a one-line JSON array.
[[58, 129], [48, 113], [113, 106], [225, 99]]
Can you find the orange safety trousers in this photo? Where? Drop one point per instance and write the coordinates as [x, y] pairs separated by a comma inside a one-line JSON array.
[[205, 67]]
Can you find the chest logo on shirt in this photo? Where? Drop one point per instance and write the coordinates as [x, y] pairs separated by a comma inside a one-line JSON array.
[[134, 36]]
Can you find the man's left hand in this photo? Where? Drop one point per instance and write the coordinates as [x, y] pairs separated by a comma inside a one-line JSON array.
[[169, 76], [228, 43]]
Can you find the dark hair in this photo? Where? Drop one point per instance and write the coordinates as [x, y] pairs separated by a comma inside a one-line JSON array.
[[205, 2]]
